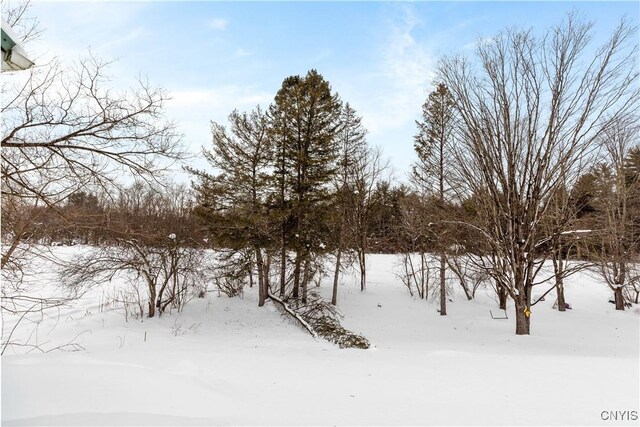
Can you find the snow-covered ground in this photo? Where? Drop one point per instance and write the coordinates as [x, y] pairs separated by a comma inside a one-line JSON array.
[[227, 362]]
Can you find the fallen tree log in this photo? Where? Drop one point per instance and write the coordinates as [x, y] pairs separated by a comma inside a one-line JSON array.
[[294, 315]]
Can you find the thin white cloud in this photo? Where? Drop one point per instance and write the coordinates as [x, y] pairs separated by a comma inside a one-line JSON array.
[[323, 54], [406, 66], [224, 97], [218, 24], [479, 42], [195, 108], [103, 15], [103, 26], [241, 53], [390, 94], [127, 38]]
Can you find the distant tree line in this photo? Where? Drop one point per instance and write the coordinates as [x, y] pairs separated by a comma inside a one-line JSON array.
[[138, 210]]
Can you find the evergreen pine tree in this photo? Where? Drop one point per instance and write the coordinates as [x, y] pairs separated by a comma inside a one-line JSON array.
[[234, 200], [432, 144], [352, 146], [305, 117]]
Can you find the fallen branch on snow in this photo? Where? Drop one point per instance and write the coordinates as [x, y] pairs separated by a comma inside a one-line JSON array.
[[293, 314], [322, 319]]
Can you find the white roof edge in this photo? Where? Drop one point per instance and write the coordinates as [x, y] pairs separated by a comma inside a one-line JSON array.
[[19, 58]]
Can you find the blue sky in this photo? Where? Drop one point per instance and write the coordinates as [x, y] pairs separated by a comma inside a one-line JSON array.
[[213, 57]]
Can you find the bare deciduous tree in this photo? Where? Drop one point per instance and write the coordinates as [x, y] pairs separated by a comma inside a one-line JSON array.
[[368, 172], [415, 271], [616, 252], [528, 110], [17, 16], [62, 131]]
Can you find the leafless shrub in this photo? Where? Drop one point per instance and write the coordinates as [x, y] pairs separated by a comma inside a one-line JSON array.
[[171, 274], [415, 274], [469, 276]]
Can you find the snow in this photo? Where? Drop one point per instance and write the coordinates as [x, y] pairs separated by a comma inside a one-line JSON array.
[[224, 361], [576, 231]]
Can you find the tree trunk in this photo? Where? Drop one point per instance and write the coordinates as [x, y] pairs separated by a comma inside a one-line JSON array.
[[620, 278], [522, 317], [283, 267], [458, 271], [334, 295], [152, 299], [558, 268], [502, 296], [562, 306], [441, 143], [266, 272], [262, 291], [423, 275], [305, 279], [283, 230], [619, 298], [7, 255], [159, 296], [362, 260], [296, 276], [443, 286]]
